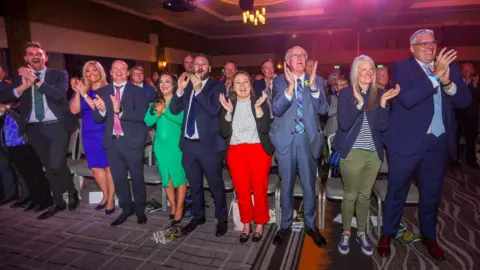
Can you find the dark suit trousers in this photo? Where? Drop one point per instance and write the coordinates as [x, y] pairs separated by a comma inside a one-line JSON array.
[[8, 183], [467, 126], [30, 168], [197, 162], [431, 161], [50, 142], [122, 160]]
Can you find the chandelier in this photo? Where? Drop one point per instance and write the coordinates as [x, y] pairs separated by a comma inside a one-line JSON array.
[[254, 17]]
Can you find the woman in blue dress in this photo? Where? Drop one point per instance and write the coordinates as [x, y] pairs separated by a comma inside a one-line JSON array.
[[94, 77]]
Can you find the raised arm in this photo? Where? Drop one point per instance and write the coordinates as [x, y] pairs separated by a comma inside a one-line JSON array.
[[151, 117], [347, 111]]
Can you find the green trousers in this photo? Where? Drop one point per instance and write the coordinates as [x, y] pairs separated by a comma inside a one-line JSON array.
[[359, 171]]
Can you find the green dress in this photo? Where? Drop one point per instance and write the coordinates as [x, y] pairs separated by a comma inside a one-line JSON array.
[[166, 145]]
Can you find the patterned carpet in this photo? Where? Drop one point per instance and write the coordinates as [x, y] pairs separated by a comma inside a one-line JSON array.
[[458, 228]]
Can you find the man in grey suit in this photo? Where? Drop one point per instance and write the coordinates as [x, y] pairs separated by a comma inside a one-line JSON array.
[[298, 99]]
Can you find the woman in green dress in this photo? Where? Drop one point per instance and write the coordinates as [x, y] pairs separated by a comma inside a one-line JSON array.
[[166, 145]]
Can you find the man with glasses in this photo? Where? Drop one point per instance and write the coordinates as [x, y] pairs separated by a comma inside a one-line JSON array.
[[421, 134], [298, 99], [137, 76], [265, 84]]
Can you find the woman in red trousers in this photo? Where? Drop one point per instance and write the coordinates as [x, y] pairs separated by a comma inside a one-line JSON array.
[[245, 123]]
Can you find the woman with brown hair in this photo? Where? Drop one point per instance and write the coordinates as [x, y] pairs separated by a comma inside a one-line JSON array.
[[94, 77], [245, 123]]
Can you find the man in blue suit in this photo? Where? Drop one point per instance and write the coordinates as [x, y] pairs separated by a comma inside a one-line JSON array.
[[201, 143], [137, 75], [421, 135], [121, 106], [298, 99]]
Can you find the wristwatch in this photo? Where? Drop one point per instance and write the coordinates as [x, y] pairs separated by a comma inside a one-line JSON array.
[[85, 96]]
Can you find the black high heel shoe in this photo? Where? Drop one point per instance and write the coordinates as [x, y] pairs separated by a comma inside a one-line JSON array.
[[108, 212], [256, 237], [100, 206], [244, 237]]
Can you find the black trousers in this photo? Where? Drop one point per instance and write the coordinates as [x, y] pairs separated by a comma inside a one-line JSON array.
[[8, 185], [468, 127], [50, 142], [30, 168]]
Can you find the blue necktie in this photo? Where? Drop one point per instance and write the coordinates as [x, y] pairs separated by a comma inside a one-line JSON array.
[[299, 127], [191, 117], [437, 122]]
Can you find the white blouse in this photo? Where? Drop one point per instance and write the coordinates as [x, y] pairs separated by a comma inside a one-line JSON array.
[[244, 128]]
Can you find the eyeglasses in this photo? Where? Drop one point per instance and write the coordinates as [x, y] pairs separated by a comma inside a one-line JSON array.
[[427, 43], [300, 55]]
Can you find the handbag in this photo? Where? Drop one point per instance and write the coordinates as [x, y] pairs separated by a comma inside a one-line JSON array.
[[334, 159]]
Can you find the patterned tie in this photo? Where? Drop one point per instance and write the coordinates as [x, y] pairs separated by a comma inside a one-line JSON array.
[[191, 117], [117, 126], [38, 101], [437, 126], [299, 127]]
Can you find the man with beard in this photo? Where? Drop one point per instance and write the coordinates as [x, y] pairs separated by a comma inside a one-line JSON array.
[[298, 99], [201, 143], [46, 119]]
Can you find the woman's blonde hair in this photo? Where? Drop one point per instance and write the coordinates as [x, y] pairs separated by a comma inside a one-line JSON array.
[[252, 91], [373, 95], [103, 75]]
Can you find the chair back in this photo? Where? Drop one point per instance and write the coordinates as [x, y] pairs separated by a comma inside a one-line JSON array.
[[72, 144], [329, 143]]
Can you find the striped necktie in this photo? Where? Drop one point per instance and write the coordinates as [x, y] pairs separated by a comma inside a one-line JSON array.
[[299, 127]]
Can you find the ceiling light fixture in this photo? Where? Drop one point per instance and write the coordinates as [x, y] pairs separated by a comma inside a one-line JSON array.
[[259, 16]]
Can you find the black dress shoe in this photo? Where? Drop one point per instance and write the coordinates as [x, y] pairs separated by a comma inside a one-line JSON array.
[[281, 235], [194, 223], [317, 237], [141, 218], [244, 237], [8, 200], [52, 211], [21, 203], [72, 201], [122, 218], [222, 227], [41, 207], [30, 206], [256, 237]]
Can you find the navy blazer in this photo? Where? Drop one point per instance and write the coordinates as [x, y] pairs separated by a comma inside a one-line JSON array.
[[259, 86], [54, 88], [350, 119], [208, 109], [413, 108], [150, 92], [134, 106], [282, 128]]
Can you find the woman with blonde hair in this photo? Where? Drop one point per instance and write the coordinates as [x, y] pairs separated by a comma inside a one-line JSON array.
[[362, 117], [94, 78], [245, 123]]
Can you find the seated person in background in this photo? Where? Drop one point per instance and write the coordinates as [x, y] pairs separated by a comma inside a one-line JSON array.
[[332, 124]]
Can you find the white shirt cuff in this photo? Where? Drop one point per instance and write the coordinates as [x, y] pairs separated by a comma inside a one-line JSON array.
[[452, 90], [316, 94], [16, 93], [102, 113], [289, 98]]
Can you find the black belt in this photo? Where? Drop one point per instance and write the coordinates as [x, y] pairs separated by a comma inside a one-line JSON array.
[[193, 140], [117, 136], [45, 123]]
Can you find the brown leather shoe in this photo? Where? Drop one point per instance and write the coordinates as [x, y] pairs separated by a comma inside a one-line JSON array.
[[383, 246], [434, 249]]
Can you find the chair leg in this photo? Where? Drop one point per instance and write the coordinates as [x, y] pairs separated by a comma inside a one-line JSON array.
[[277, 205], [319, 207], [379, 217], [324, 208], [164, 199]]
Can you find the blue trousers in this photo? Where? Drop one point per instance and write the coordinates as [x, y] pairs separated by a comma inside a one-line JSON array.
[[298, 158], [430, 160]]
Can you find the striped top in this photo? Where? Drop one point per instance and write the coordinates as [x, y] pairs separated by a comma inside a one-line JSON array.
[[364, 139], [244, 127]]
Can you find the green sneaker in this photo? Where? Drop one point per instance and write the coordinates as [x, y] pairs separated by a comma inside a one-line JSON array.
[[406, 237]]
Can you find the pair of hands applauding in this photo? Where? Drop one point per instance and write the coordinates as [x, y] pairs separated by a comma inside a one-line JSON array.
[[383, 100], [81, 88], [185, 78], [28, 79]]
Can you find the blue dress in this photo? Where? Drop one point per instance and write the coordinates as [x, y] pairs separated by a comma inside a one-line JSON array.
[[92, 136]]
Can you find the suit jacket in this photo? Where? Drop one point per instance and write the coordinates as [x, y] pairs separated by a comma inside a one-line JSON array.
[[282, 129], [54, 87], [412, 110], [134, 106], [259, 86], [350, 120], [208, 108], [263, 126], [150, 92]]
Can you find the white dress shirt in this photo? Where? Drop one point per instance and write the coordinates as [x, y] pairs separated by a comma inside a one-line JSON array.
[[49, 115], [103, 113], [195, 135]]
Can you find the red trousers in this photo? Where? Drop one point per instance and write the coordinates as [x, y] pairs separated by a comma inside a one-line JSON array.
[[249, 167]]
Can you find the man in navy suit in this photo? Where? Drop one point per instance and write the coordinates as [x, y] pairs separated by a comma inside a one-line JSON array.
[[298, 99], [229, 69], [201, 143], [421, 135], [266, 83], [122, 107], [46, 119], [137, 76]]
